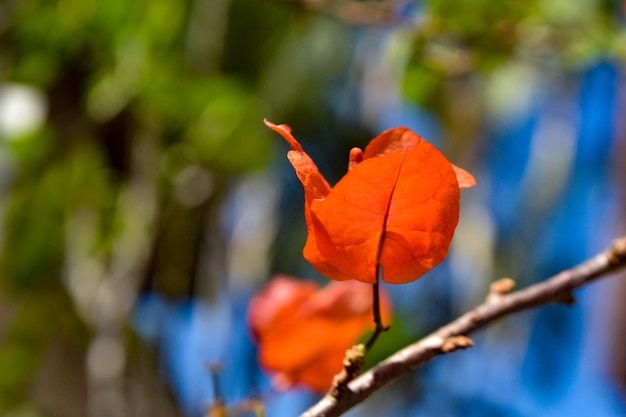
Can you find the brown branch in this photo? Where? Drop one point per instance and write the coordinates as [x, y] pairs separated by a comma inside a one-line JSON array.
[[452, 336]]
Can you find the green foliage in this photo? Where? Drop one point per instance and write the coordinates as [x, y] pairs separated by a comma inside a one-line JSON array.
[[23, 344], [474, 38], [143, 98], [34, 232]]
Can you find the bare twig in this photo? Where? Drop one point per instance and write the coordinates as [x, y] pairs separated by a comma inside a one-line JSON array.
[[453, 336]]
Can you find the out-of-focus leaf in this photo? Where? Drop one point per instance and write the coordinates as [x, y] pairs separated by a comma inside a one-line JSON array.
[[303, 332]]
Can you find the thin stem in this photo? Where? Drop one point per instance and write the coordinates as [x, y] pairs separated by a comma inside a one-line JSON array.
[[376, 307]]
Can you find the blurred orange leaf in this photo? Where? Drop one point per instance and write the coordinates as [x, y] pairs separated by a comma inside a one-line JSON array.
[[397, 207], [304, 331]]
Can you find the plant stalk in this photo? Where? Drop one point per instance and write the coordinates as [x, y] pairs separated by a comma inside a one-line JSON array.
[[380, 328]]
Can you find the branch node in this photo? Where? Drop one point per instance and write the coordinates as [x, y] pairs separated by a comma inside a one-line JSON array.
[[499, 288], [352, 363], [502, 286], [617, 254], [456, 342]]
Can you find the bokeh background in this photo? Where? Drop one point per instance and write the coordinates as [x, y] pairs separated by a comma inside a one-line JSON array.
[[143, 201]]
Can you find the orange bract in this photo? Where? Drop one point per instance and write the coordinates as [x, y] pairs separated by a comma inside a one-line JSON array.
[[397, 207], [303, 332]]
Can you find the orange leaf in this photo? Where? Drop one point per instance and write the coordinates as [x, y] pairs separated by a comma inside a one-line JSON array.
[[303, 332], [397, 207]]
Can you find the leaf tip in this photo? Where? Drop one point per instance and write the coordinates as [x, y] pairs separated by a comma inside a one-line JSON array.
[[464, 178], [285, 132]]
